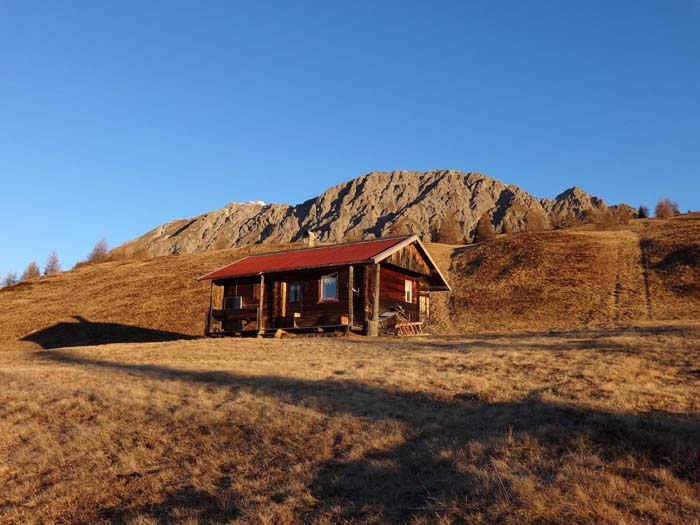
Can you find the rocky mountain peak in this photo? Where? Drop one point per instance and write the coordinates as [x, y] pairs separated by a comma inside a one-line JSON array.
[[372, 205]]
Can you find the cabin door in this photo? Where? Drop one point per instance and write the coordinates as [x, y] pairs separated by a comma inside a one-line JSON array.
[[424, 307], [292, 301]]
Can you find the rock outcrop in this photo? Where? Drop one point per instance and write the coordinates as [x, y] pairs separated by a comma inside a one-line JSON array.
[[376, 204]]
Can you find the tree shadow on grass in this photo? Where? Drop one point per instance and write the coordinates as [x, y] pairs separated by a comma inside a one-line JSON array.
[[421, 478], [88, 333]]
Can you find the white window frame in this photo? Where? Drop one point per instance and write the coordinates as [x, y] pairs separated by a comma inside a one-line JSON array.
[[334, 276], [408, 291]]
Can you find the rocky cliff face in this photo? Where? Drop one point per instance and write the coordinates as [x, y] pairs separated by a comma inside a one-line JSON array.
[[376, 204]]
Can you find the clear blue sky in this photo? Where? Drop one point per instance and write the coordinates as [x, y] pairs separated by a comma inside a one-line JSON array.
[[118, 116]]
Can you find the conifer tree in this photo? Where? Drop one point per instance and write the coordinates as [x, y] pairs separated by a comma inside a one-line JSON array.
[[484, 229], [31, 272], [53, 265]]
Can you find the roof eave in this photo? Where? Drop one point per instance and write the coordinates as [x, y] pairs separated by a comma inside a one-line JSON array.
[[206, 276], [282, 270]]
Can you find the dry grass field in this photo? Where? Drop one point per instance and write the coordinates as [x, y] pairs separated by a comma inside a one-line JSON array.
[[572, 427], [571, 395]]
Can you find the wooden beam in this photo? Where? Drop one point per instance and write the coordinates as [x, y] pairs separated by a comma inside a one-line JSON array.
[[351, 296], [261, 323], [211, 305], [283, 297], [374, 325]]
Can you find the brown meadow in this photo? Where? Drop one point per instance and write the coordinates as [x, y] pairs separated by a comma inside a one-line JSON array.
[[579, 426], [570, 396]]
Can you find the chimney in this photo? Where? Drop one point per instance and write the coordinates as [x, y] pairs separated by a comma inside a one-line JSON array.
[[309, 238]]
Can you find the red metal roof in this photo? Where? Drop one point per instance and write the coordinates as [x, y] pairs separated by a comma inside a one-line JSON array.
[[318, 257]]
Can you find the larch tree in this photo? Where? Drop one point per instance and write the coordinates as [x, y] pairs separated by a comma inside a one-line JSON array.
[[666, 208], [10, 279], [450, 231], [99, 251], [484, 229], [31, 272], [536, 221], [53, 265]]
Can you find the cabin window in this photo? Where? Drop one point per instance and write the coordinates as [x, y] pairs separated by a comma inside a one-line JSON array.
[[294, 292], [329, 287], [408, 291]]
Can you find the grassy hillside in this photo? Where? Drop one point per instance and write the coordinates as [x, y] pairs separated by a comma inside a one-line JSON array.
[[590, 426], [555, 279], [649, 270], [671, 251], [131, 300]]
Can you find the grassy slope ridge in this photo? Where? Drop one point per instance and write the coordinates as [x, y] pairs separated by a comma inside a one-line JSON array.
[[554, 279]]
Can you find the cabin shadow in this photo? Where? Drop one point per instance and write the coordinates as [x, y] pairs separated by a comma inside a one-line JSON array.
[[449, 448], [83, 332]]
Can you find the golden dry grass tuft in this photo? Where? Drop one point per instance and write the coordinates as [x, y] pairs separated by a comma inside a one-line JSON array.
[[589, 426]]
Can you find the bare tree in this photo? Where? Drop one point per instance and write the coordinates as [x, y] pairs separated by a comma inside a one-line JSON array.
[[99, 251], [450, 231], [10, 279], [53, 265], [665, 208], [31, 272], [484, 229]]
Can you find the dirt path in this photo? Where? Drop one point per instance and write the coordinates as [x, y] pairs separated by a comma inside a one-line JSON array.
[[644, 262], [631, 299]]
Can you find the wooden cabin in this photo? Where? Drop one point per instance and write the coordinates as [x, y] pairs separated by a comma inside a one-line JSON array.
[[358, 286]]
